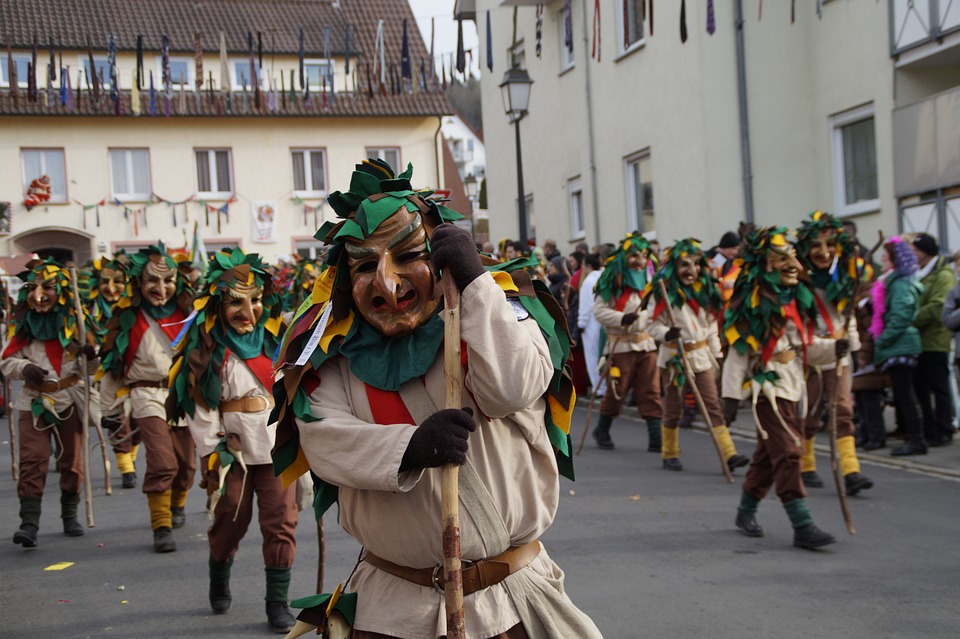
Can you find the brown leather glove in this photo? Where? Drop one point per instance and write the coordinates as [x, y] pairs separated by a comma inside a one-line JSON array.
[[628, 319], [841, 347], [34, 375], [440, 439], [453, 250], [673, 334], [88, 351]]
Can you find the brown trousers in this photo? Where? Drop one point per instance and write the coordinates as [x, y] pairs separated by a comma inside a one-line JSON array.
[[126, 440], [822, 391], [277, 512], [35, 454], [673, 401], [638, 370], [517, 632], [171, 455], [777, 459]]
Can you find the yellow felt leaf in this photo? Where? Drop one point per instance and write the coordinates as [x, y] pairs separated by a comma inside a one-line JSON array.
[[333, 330], [755, 297], [210, 322], [778, 240], [504, 281], [561, 414], [174, 371], [292, 472], [273, 325], [752, 341], [212, 461], [68, 331], [200, 303], [323, 285], [732, 334]]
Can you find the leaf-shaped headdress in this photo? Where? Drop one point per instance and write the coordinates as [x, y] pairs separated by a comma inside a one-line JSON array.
[[95, 302], [195, 373], [704, 292], [63, 314], [756, 313], [617, 275], [840, 280], [306, 270], [124, 311]]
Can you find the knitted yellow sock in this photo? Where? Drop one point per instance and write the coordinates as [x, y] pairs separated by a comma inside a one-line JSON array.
[[807, 461], [847, 452], [159, 510], [670, 443], [178, 498], [124, 463], [727, 447]]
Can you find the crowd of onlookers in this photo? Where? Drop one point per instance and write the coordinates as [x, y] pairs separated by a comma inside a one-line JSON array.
[[910, 371]]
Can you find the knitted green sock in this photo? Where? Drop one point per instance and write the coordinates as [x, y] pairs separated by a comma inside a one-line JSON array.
[[278, 583], [798, 512], [653, 431], [748, 504], [220, 571]]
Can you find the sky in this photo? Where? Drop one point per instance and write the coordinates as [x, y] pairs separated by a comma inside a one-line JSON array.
[[445, 34]]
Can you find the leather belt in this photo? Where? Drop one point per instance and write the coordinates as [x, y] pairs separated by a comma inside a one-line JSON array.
[[52, 385], [688, 346], [246, 405], [477, 575], [162, 383], [784, 357], [633, 338]]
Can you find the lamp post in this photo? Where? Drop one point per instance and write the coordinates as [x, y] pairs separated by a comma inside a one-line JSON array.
[[470, 185], [515, 90]]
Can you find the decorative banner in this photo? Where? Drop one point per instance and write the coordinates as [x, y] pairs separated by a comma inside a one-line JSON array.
[[264, 221], [6, 218]]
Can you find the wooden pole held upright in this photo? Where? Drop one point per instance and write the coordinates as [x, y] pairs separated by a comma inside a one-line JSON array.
[[692, 381], [450, 473], [85, 417]]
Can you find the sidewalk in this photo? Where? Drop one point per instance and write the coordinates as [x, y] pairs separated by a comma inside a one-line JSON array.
[[943, 461]]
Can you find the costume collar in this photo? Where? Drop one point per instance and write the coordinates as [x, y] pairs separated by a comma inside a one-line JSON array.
[[160, 312], [44, 326], [387, 362], [243, 346]]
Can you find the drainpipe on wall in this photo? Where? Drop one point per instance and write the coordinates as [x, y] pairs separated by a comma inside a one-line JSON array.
[[436, 149], [591, 155], [744, 123]]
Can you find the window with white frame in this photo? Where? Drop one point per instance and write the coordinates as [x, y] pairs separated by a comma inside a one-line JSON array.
[[389, 154], [855, 161], [639, 183], [101, 67], [309, 172], [564, 19], [214, 173], [20, 61], [316, 70], [130, 175], [241, 75], [578, 228], [49, 162], [181, 72], [629, 15], [309, 248]]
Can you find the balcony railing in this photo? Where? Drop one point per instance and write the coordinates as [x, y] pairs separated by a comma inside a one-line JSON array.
[[917, 22]]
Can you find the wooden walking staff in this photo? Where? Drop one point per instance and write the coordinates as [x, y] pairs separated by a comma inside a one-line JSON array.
[[81, 338], [692, 381], [85, 416], [450, 473], [14, 449], [832, 425], [593, 396]]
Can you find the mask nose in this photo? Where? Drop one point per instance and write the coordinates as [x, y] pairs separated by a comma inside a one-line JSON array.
[[387, 281], [37, 295]]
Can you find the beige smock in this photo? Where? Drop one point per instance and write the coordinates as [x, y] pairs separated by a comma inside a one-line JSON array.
[[397, 515], [695, 327], [623, 339], [36, 353]]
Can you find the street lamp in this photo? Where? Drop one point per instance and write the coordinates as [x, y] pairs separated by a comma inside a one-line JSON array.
[[515, 90], [470, 185]]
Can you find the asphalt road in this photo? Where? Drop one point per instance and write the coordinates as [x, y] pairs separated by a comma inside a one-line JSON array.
[[647, 553]]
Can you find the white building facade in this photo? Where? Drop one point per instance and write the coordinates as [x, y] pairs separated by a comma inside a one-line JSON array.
[[771, 116]]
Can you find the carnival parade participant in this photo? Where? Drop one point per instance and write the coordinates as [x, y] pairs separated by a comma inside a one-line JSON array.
[[829, 256], [692, 290], [108, 279], [618, 298], [222, 381], [770, 327], [44, 353], [361, 410], [300, 286], [135, 360]]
